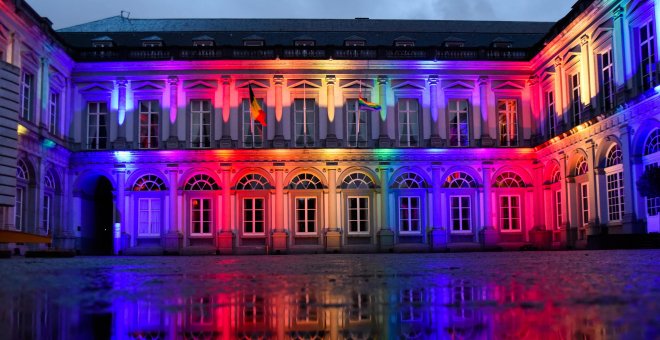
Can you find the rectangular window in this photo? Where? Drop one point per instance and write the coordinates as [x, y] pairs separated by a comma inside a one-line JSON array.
[[148, 124], [254, 309], [27, 88], [647, 54], [253, 131], [356, 123], [459, 126], [411, 300], [360, 309], [558, 209], [652, 203], [576, 103], [615, 196], [200, 125], [200, 216], [584, 203], [507, 112], [47, 212], [510, 213], [149, 217], [552, 114], [97, 115], [358, 214], [308, 310], [306, 214], [53, 112], [253, 215], [409, 214], [305, 122], [18, 208], [460, 213], [408, 122], [607, 80]]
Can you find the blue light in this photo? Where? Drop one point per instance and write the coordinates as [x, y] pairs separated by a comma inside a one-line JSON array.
[[123, 156]]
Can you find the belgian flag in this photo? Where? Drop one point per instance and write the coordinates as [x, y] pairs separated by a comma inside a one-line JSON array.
[[257, 112]]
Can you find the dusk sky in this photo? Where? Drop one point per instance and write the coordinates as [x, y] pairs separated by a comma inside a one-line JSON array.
[[65, 13]]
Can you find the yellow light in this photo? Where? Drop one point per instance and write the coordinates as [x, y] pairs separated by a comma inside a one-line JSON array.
[[22, 130]]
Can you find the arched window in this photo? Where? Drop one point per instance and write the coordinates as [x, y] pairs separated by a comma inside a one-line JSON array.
[[556, 175], [201, 182], [614, 156], [305, 181], [652, 144], [22, 171], [556, 197], [253, 182], [581, 167], [460, 180], [357, 180], [149, 183], [49, 181], [409, 180], [509, 179]]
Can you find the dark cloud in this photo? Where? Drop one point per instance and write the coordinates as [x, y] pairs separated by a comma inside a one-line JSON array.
[[64, 13]]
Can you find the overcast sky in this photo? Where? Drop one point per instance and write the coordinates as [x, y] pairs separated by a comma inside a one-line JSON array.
[[65, 13]]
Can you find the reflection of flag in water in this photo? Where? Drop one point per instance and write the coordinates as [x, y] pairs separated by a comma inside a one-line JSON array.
[[256, 111]]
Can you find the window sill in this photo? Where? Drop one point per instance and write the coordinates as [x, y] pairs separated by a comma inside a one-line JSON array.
[[200, 235], [310, 235], [362, 235], [262, 235], [511, 231]]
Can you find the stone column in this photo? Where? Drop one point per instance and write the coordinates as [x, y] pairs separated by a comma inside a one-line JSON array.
[[438, 231], [621, 62], [385, 234], [490, 237], [629, 215], [43, 111], [563, 119], [173, 139], [596, 176], [174, 238], [384, 140], [120, 142], [331, 138], [586, 85], [535, 116], [225, 237], [225, 140], [333, 233], [122, 239], [279, 232], [436, 141], [487, 139], [279, 140]]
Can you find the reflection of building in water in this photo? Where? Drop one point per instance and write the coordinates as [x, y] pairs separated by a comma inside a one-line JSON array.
[[511, 134]]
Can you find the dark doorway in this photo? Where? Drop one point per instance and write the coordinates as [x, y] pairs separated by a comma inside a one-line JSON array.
[[97, 218]]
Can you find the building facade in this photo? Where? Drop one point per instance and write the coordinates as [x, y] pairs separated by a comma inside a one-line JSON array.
[[135, 135]]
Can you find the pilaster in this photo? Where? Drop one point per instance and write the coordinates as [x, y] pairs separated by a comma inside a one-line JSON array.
[[173, 139]]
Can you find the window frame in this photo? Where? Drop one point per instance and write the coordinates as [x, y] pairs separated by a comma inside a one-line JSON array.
[[575, 98], [99, 127], [201, 113], [306, 208], [460, 218], [510, 142], [419, 208], [407, 113], [252, 124], [27, 92], [202, 221], [359, 208], [53, 111], [510, 207], [295, 111], [458, 112], [149, 125], [350, 141], [150, 198]]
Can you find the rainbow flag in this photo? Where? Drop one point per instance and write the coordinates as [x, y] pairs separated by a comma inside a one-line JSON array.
[[257, 112], [365, 105]]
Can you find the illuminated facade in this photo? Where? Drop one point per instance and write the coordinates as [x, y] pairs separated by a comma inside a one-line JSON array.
[[135, 135]]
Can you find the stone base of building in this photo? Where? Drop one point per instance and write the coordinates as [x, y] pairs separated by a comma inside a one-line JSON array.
[[438, 239], [173, 243], [490, 238], [385, 240], [540, 238], [333, 240], [225, 242], [279, 241]]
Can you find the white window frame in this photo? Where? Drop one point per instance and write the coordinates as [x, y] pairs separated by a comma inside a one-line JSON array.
[[149, 125], [201, 216], [27, 96], [305, 112], [358, 209], [306, 209], [47, 211], [95, 142], [558, 209], [405, 123], [360, 308], [254, 219], [19, 207], [462, 118], [461, 216], [606, 86], [152, 230], [249, 125], [53, 111], [575, 97], [510, 114], [511, 218], [410, 219], [551, 111], [584, 203], [204, 120], [615, 194], [646, 65]]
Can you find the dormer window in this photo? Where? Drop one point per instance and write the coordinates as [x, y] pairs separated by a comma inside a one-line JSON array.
[[253, 41], [453, 42], [404, 41], [354, 40], [501, 43], [152, 41], [203, 41], [102, 42]]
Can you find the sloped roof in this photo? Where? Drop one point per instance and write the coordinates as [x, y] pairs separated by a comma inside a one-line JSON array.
[[326, 32]]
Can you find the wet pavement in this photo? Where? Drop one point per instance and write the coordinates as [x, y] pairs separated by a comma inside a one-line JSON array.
[[563, 295]]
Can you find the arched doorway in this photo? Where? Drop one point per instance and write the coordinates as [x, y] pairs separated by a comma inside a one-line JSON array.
[[97, 217]]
